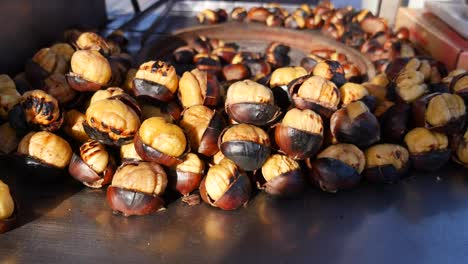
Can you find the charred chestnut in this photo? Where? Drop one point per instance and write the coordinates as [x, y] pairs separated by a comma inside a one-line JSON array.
[[9, 96], [238, 14], [203, 127], [93, 166], [73, 125], [92, 41], [330, 70], [428, 150], [160, 141], [355, 124], [235, 72], [386, 163], [136, 188], [247, 145], [282, 176], [338, 167], [258, 14], [199, 88], [252, 103], [8, 139], [186, 176], [300, 133], [90, 71], [128, 153], [7, 209], [156, 80], [226, 186], [442, 112]]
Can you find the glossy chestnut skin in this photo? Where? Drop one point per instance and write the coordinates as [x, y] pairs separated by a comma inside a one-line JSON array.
[[156, 80], [235, 193], [128, 201], [441, 112], [186, 176], [90, 71], [394, 122], [248, 146], [355, 124], [79, 168], [386, 163]]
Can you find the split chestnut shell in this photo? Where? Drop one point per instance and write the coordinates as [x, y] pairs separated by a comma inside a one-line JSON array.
[[185, 177], [156, 80], [386, 163]]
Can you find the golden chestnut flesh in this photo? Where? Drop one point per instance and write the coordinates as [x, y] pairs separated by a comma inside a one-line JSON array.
[[104, 94], [128, 153], [283, 76], [283, 176], [386, 163], [9, 96], [73, 125], [163, 136], [156, 80], [444, 108], [91, 66], [7, 205], [92, 41]]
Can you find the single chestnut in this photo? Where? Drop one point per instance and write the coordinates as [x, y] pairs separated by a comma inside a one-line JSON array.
[[90, 71], [428, 149], [252, 103], [315, 93], [459, 85], [352, 92], [277, 54], [201, 44], [92, 41], [258, 14], [352, 72], [394, 122], [442, 112], [160, 141], [238, 14], [258, 69], [8, 139], [235, 72], [225, 53], [203, 127], [199, 87], [386, 163], [137, 188], [128, 153], [247, 145], [183, 55], [300, 133], [9, 96], [156, 80], [330, 70], [372, 25], [73, 125], [244, 56], [282, 176], [355, 124], [333, 30], [337, 167], [226, 186], [408, 86], [460, 149], [185, 177], [7, 209], [208, 16], [57, 86]]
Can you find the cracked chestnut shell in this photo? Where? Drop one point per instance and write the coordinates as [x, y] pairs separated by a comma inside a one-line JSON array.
[[258, 69], [8, 211], [203, 127], [337, 167], [428, 149], [185, 177], [199, 88], [300, 133], [408, 86], [355, 124], [136, 188], [156, 80], [36, 110], [105, 94], [93, 165], [44, 155], [238, 14], [386, 163], [171, 111], [282, 176], [352, 92], [310, 62], [247, 145], [90, 71], [330, 70], [315, 93], [226, 186], [279, 80], [459, 85], [112, 121], [460, 149], [252, 103], [441, 112], [160, 141], [73, 125], [9, 96]]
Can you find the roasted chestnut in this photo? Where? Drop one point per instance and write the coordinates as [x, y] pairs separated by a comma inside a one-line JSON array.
[[73, 125], [105, 94], [201, 44], [7, 209], [333, 30], [386, 163], [338, 167], [274, 21], [93, 166], [208, 16], [238, 14], [245, 56], [277, 54], [36, 110], [171, 111], [282, 176], [300, 133], [352, 72], [92, 41], [460, 149], [279, 80], [310, 62], [258, 69], [225, 53], [442, 112], [252, 103], [295, 21], [315, 93], [199, 88], [127, 85], [63, 49], [226, 186], [352, 92], [208, 63], [44, 155], [8, 139], [44, 62], [112, 121], [183, 55], [203, 127], [409, 86], [57, 86], [136, 188], [160, 141], [90, 71], [156, 80], [372, 25], [258, 14], [428, 149], [459, 85], [9, 96], [186, 176], [247, 145], [330, 70], [394, 122], [128, 153], [355, 124], [235, 72]]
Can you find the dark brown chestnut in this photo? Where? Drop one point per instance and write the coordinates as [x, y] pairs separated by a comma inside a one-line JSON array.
[[428, 149], [208, 16], [92, 41], [315, 93], [330, 70], [203, 127], [282, 176], [238, 14], [136, 189], [338, 167], [8, 139], [183, 55], [252, 103], [222, 15], [235, 72], [156, 80], [7, 209], [73, 125], [300, 133], [247, 145], [244, 56], [386, 163], [199, 88], [441, 112], [460, 149], [93, 166], [226, 186], [355, 124], [160, 141], [394, 122], [258, 14], [9, 96], [277, 54], [201, 44], [208, 63], [90, 71], [186, 176]]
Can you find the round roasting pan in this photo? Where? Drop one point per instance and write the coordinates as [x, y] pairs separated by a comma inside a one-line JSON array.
[[255, 37]]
